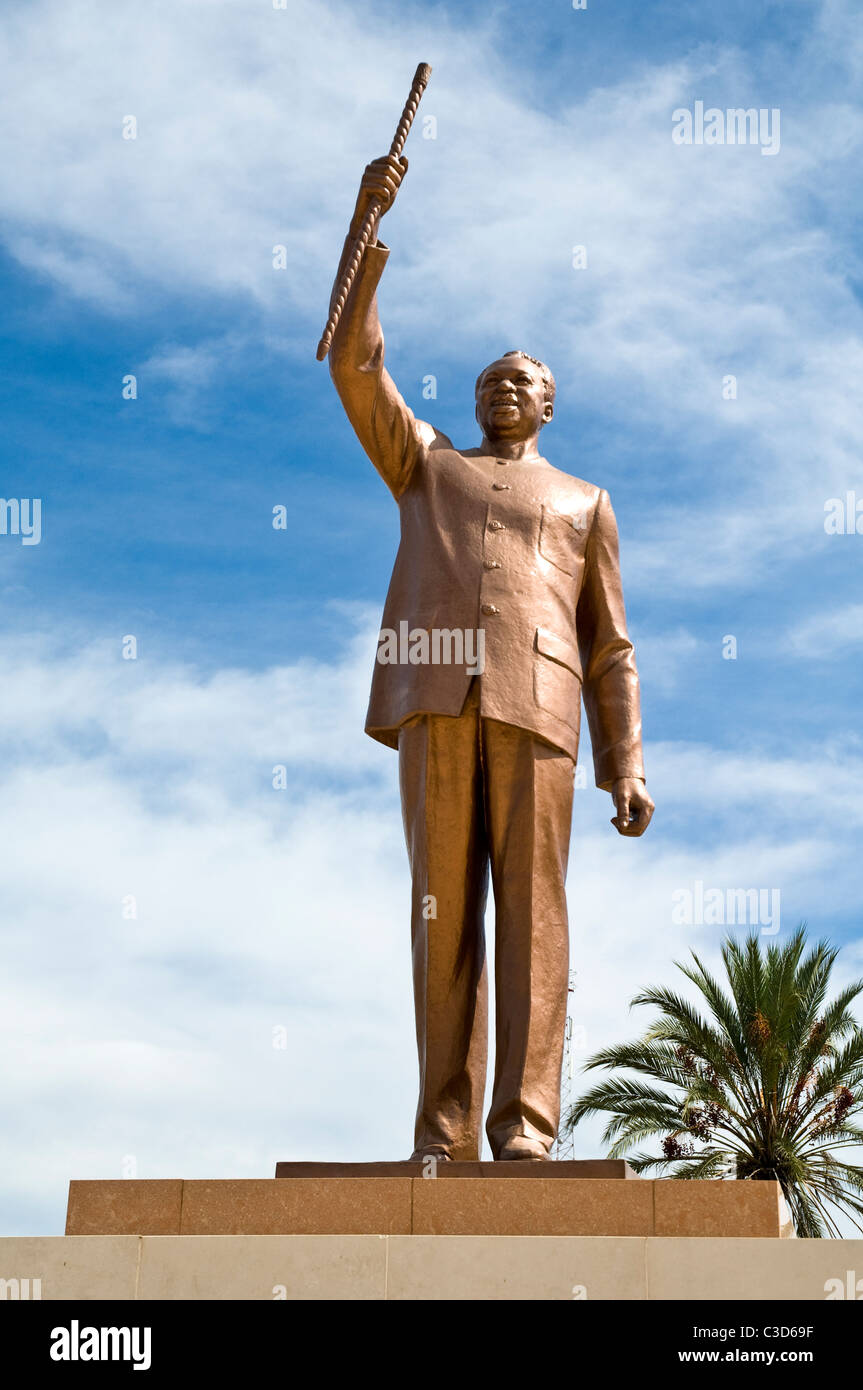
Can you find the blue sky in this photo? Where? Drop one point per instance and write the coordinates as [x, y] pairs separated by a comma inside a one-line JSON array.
[[259, 909]]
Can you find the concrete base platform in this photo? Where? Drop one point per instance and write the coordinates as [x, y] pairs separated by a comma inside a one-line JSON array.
[[416, 1267], [536, 1205]]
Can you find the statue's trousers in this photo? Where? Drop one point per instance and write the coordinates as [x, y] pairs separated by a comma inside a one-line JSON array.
[[478, 796]]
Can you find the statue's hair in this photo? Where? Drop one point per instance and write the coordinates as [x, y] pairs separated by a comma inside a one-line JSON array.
[[547, 378]]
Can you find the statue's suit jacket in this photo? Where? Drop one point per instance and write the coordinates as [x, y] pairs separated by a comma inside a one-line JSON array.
[[521, 550]]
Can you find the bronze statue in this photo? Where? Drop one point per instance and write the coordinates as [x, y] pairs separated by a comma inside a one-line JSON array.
[[496, 542]]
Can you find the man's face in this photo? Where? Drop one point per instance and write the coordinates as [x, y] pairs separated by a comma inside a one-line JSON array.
[[510, 400]]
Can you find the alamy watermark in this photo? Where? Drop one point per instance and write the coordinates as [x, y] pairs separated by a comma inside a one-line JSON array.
[[850, 1288], [432, 646], [843, 516], [20, 1290], [77, 1343], [726, 907], [737, 125], [21, 517]]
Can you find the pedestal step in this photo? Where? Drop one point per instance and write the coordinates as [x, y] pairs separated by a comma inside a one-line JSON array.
[[535, 1205], [566, 1168]]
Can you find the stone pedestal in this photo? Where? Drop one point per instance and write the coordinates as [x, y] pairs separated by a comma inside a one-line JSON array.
[[518, 1199], [416, 1267], [393, 1231]]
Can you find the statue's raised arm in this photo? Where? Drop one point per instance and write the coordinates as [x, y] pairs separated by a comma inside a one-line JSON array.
[[384, 424]]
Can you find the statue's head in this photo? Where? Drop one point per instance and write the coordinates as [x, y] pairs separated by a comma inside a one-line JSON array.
[[514, 397]]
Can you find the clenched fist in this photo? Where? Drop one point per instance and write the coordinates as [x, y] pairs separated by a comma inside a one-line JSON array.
[[633, 805], [379, 184]]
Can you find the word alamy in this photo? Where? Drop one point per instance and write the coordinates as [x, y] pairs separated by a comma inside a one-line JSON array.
[[717, 907], [851, 1288], [77, 1343], [21, 517], [20, 1289], [736, 126], [843, 516], [432, 646]]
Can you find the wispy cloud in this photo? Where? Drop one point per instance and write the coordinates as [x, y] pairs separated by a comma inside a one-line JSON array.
[[167, 909], [826, 636], [254, 908], [703, 262]]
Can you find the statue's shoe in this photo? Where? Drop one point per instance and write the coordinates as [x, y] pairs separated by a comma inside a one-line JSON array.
[[433, 1151], [519, 1147]]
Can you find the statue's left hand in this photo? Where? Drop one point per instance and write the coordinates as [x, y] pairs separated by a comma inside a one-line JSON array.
[[633, 805]]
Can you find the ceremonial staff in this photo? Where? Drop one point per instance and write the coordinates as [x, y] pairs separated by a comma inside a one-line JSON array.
[[361, 241]]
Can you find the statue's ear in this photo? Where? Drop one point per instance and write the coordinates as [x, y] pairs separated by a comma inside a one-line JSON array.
[[547, 413]]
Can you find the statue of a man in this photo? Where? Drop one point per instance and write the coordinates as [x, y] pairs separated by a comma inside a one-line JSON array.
[[494, 541]]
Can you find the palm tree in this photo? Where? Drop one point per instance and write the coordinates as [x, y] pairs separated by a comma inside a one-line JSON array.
[[766, 1085]]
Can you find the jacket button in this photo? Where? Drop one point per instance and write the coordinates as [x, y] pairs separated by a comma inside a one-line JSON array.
[[496, 526], [489, 609], [491, 564], [501, 487]]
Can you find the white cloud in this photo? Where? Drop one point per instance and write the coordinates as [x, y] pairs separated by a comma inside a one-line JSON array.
[[663, 655], [259, 909], [826, 636], [182, 376], [78, 271], [253, 126]]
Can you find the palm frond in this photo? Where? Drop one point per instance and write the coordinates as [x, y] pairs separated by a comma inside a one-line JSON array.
[[765, 1083]]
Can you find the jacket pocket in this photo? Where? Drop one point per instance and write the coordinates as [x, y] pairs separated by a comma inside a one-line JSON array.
[[558, 649], [559, 539], [557, 677]]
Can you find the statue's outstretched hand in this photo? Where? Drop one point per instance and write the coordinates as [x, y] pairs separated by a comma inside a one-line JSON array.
[[379, 184], [633, 805]]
